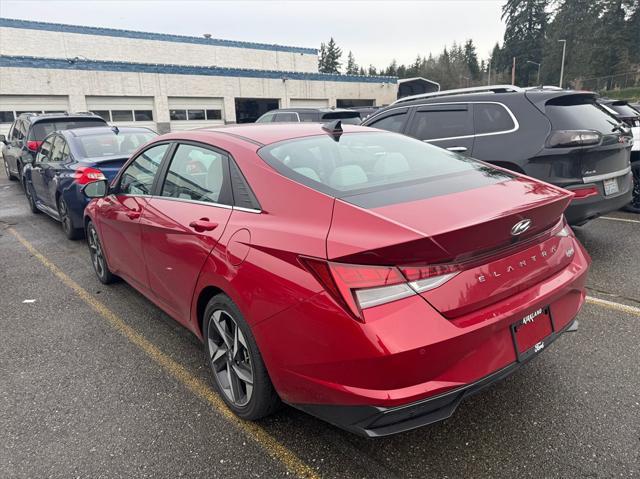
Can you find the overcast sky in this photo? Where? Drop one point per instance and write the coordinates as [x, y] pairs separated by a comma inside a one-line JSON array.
[[376, 31]]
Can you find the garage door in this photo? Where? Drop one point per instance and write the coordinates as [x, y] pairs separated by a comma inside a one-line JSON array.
[[12, 105], [188, 113], [124, 110], [308, 103]]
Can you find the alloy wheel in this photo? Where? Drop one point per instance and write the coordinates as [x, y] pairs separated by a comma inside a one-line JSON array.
[[230, 358], [67, 226], [95, 249]]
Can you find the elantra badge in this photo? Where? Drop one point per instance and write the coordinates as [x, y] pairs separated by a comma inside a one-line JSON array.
[[520, 227]]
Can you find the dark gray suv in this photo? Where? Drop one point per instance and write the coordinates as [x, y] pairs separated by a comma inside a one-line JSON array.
[[558, 136], [28, 131]]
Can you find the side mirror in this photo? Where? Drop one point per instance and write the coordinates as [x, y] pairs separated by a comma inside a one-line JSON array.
[[96, 189], [3, 139]]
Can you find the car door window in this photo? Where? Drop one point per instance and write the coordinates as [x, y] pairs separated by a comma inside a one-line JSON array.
[[491, 118], [137, 179], [394, 122], [44, 154], [197, 174], [442, 123], [57, 150]]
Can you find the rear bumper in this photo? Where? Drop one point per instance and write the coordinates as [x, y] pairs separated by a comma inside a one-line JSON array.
[[582, 210], [371, 421]]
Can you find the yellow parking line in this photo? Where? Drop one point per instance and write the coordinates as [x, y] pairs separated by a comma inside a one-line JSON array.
[[625, 308], [270, 444]]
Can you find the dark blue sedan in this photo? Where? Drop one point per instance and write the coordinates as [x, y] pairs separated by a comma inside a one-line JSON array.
[[69, 159]]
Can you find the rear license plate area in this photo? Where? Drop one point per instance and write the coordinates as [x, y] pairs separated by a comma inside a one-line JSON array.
[[611, 186], [530, 333]]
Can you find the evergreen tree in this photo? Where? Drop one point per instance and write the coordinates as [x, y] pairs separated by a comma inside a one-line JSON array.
[[392, 70], [372, 70], [471, 60], [322, 58], [332, 58], [362, 72], [526, 23], [352, 67]]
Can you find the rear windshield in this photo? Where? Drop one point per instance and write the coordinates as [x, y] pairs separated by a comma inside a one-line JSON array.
[[625, 110], [42, 129], [576, 112], [110, 144], [362, 161]]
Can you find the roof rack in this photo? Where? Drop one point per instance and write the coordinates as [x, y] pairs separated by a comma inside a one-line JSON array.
[[459, 91]]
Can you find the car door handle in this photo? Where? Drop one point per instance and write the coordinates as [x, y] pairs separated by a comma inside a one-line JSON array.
[[458, 149], [203, 224], [133, 215]]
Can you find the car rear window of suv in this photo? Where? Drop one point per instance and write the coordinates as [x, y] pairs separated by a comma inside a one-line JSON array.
[[576, 112], [363, 161], [40, 130]]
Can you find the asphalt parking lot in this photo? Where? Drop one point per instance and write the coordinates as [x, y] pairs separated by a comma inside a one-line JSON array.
[[95, 381]]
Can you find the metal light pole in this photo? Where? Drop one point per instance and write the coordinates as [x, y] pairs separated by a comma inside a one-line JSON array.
[[538, 77], [564, 49]]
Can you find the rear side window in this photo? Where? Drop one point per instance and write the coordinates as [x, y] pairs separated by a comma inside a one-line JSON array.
[[439, 124], [41, 129], [491, 118], [138, 178], [286, 117], [197, 174], [265, 118], [308, 116], [360, 161], [576, 112], [393, 123]]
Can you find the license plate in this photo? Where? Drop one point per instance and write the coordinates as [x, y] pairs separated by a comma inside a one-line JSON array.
[[529, 333], [611, 186]]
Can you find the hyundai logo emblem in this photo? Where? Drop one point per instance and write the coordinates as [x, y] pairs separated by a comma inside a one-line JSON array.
[[520, 227]]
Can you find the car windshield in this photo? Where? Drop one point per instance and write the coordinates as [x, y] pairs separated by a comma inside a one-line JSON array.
[[364, 160], [110, 144], [42, 129]]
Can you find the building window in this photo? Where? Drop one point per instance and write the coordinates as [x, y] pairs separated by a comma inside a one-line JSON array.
[[195, 115], [143, 115], [122, 115], [104, 114], [214, 114], [6, 117]]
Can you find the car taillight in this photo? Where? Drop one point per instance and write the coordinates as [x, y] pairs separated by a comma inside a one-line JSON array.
[[85, 174], [358, 287], [580, 193], [33, 145], [569, 138]]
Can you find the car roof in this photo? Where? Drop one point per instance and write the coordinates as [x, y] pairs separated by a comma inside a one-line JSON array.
[[309, 108], [258, 133], [78, 132]]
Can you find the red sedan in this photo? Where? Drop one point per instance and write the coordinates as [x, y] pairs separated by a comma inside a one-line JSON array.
[[365, 277]]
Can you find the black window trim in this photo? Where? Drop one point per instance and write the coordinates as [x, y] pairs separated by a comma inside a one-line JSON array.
[[403, 110], [114, 188], [415, 108]]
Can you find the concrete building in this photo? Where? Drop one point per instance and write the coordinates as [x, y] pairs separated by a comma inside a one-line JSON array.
[[165, 82]]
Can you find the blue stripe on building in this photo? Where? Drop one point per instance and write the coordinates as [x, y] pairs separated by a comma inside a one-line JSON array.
[[7, 61], [113, 32]]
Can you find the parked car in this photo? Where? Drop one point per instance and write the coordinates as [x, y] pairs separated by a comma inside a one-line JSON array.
[[69, 159], [562, 137], [629, 115], [362, 276], [310, 115], [28, 131]]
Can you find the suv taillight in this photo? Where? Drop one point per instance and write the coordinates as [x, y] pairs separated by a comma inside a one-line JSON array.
[[33, 145], [85, 174], [358, 287], [569, 138]]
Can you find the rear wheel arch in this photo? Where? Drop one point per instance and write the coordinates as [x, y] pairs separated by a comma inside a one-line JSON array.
[[204, 297]]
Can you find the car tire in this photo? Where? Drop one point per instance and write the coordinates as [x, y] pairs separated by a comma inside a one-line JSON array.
[[239, 373], [28, 191], [634, 206], [98, 259], [6, 170], [68, 227]]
